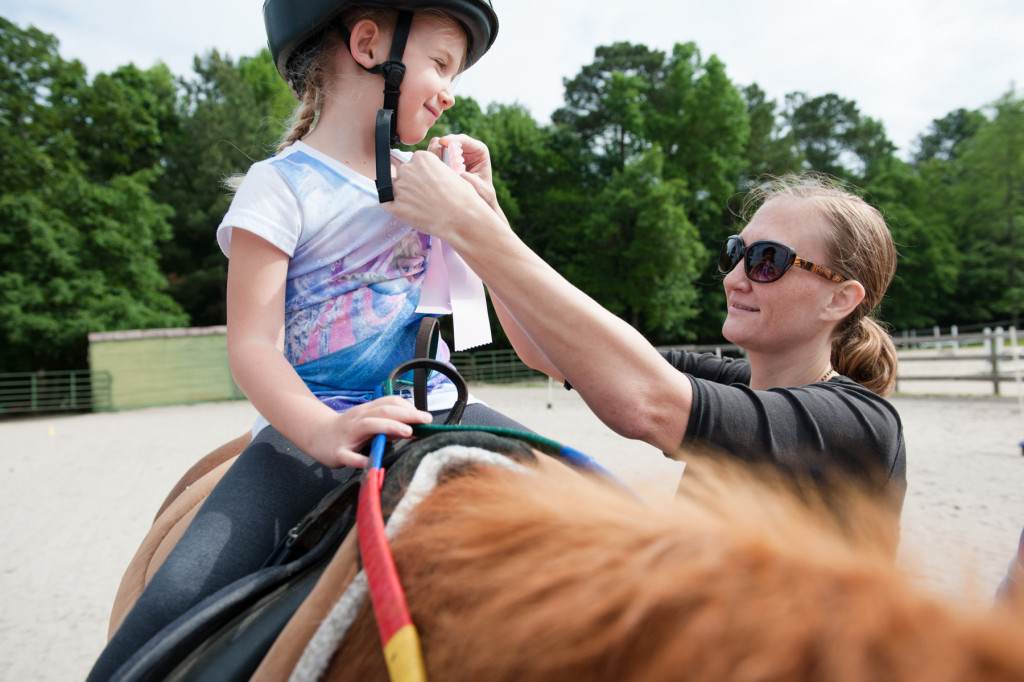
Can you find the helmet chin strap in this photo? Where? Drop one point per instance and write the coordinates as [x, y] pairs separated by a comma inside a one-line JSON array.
[[386, 130]]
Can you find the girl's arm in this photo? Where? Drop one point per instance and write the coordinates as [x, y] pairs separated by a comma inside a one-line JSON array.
[[623, 379], [524, 346], [255, 303]]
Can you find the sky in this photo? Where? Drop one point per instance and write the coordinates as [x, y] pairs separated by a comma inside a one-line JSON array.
[[903, 62]]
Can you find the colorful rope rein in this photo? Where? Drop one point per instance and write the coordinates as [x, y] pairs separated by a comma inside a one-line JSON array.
[[398, 634], [399, 637]]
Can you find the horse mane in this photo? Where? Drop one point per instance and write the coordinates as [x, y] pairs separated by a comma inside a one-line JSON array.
[[552, 575]]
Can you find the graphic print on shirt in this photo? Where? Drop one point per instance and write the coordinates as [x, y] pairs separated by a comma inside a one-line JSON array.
[[351, 297]]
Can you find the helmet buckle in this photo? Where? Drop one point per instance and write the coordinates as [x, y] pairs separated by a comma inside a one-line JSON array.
[[393, 71]]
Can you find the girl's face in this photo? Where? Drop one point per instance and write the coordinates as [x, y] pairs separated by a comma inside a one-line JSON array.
[[780, 315], [433, 58]]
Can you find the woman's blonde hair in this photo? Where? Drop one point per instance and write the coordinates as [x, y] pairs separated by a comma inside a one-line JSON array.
[[859, 246]]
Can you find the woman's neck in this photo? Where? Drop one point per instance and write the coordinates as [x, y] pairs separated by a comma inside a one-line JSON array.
[[774, 370]]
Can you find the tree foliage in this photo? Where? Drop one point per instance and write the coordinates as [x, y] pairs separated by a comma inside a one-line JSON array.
[[78, 248], [231, 115], [113, 189]]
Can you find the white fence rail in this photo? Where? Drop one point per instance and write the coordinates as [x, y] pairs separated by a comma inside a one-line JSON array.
[[975, 363], [961, 363]]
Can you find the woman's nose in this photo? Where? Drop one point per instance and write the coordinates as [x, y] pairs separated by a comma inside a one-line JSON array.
[[736, 277]]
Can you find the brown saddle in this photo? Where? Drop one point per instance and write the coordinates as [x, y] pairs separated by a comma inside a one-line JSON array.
[[317, 588]]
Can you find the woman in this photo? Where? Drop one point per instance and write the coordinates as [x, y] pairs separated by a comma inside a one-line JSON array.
[[810, 397]]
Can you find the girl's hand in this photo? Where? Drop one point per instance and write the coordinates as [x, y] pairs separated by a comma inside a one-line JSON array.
[[339, 443], [474, 152]]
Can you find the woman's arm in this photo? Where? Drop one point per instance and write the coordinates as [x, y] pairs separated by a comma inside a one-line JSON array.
[[255, 302], [477, 160], [623, 379]]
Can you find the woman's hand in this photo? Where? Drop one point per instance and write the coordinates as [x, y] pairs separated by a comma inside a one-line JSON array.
[[478, 173], [338, 442], [433, 199], [474, 153]]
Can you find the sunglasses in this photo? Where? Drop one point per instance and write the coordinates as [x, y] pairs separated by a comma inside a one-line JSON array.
[[766, 261]]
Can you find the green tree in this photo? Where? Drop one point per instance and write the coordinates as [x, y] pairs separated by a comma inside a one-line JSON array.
[[122, 120], [770, 149], [632, 103], [699, 118], [926, 245], [945, 138], [606, 102], [991, 188], [640, 253], [835, 138], [941, 207], [231, 116], [77, 254]]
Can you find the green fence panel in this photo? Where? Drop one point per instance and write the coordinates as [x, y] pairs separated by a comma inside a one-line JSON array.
[[164, 366], [493, 367], [147, 368], [25, 393]]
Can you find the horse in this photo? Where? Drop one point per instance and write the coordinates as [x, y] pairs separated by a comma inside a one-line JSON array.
[[538, 571], [551, 577]]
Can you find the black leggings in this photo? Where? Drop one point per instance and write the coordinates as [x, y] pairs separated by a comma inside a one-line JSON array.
[[268, 489]]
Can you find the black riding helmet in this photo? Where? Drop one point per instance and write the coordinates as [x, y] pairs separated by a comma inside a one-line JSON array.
[[295, 30]]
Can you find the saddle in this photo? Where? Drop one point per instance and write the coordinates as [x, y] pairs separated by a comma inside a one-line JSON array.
[[271, 625], [188, 494]]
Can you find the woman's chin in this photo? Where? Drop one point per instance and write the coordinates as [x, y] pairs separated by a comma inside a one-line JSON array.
[[733, 332]]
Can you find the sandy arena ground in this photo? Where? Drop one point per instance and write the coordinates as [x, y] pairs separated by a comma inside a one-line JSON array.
[[78, 493]]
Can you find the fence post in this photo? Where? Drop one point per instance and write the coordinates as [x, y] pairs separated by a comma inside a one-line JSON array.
[[994, 343], [1016, 368], [954, 331]]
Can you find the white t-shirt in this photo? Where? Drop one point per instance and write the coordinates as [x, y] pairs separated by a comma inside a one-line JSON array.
[[354, 276]]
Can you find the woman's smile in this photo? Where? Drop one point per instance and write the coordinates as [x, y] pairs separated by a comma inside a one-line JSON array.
[[733, 305]]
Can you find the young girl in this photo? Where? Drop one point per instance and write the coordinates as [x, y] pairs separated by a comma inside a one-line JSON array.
[[324, 285]]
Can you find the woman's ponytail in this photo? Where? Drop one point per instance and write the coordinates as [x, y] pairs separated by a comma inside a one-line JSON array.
[[866, 354]]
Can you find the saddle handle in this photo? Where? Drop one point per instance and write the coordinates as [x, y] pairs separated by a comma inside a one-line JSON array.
[[455, 414]]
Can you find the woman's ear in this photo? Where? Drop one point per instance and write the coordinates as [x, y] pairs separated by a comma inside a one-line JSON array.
[[845, 298], [365, 43]]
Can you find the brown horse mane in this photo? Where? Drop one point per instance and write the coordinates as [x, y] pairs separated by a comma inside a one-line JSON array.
[[550, 575]]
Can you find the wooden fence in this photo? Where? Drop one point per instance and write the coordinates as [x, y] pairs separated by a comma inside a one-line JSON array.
[[991, 356], [976, 363]]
